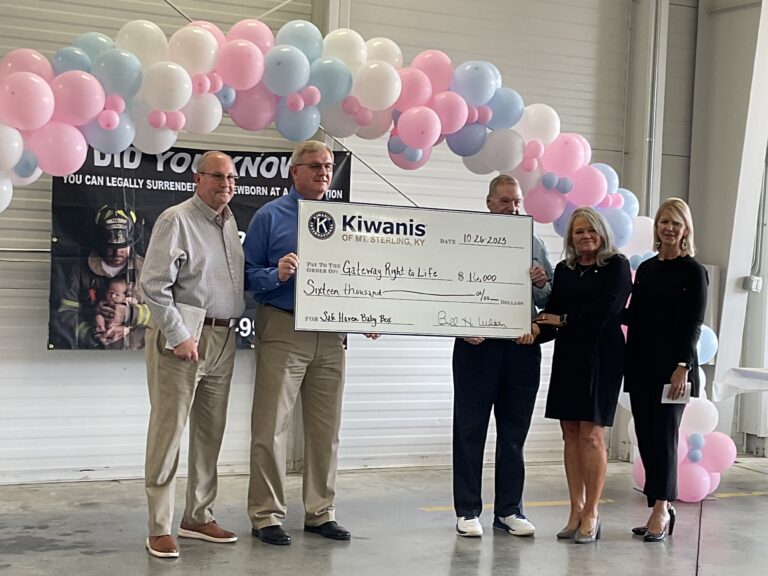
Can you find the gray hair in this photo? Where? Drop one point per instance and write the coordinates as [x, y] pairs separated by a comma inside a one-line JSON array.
[[680, 210], [501, 180], [596, 220], [307, 147], [202, 162]]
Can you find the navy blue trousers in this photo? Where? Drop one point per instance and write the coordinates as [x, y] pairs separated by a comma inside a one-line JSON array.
[[503, 376]]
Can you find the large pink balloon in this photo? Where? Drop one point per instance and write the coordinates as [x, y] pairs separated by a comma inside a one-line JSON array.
[[584, 144], [589, 187], [719, 452], [452, 110], [714, 481], [415, 90], [563, 156], [638, 473], [254, 109], [419, 127], [79, 97], [544, 205], [221, 40], [254, 31], [60, 148], [26, 60], [401, 161], [438, 68], [240, 64], [693, 482], [26, 101]]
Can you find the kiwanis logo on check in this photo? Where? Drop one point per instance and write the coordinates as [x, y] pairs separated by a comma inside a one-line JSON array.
[[321, 225]]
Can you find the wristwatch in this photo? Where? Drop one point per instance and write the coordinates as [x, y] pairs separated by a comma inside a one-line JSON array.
[[684, 365]]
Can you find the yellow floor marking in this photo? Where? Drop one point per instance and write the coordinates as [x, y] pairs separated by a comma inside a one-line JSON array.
[[540, 504], [737, 494]]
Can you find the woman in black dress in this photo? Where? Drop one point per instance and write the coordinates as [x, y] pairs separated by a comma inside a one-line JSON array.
[[664, 320], [589, 292]]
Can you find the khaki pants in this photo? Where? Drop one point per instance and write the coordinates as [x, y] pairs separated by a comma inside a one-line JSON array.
[[178, 389], [288, 363]]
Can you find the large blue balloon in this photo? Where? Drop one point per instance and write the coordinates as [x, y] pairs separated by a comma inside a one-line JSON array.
[[475, 82], [395, 145], [110, 141], [561, 224], [297, 126], [507, 107], [631, 205], [286, 70], [468, 141], [70, 58], [706, 348], [303, 35], [119, 72], [610, 177], [93, 44], [332, 77], [621, 225]]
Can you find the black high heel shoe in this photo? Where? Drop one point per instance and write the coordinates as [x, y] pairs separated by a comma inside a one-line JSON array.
[[668, 529], [639, 530]]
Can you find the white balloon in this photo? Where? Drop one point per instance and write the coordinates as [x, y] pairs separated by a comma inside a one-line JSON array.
[[203, 113], [641, 240], [337, 122], [346, 45], [377, 85], [527, 180], [145, 40], [539, 122], [18, 181], [700, 415], [167, 86], [503, 150], [148, 139], [385, 50], [702, 383], [11, 147], [6, 192], [476, 164], [380, 125], [195, 49]]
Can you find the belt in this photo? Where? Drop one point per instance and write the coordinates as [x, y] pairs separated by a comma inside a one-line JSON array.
[[223, 322]]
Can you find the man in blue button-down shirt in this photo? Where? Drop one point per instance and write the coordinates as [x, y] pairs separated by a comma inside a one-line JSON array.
[[290, 362]]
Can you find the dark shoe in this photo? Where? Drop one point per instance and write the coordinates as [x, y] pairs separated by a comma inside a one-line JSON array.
[[272, 535], [639, 530], [668, 528], [330, 530]]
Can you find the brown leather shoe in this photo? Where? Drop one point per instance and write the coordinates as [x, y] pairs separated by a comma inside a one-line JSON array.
[[163, 546], [210, 532]]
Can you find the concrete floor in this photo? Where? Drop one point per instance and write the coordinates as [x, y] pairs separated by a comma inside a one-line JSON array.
[[402, 523]]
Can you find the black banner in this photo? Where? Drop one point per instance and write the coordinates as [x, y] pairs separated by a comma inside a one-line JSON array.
[[114, 198]]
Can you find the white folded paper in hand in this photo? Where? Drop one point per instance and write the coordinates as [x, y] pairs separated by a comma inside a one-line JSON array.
[[684, 399], [193, 317]]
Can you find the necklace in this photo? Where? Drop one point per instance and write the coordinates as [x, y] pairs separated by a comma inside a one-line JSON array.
[[583, 270]]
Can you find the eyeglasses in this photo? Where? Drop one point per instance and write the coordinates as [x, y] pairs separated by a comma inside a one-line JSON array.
[[221, 177], [317, 167]]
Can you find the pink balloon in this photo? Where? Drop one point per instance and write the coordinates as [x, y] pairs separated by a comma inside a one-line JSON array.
[[719, 452], [471, 114], [240, 64], [60, 148], [216, 82], [254, 31], [254, 109], [114, 102], [419, 127], [294, 102], [585, 145], [484, 114], [201, 84], [617, 201], [157, 119], [175, 120], [692, 482], [26, 101], [438, 68], [311, 95], [534, 149], [401, 162], [452, 110], [544, 205], [563, 156], [714, 481], [638, 473], [416, 89], [221, 40], [78, 97], [350, 105], [589, 187], [605, 202], [529, 164], [682, 447], [26, 60], [109, 119], [364, 116]]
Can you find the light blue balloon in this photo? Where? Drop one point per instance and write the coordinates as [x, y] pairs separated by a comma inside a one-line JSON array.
[[395, 145], [468, 141], [332, 77], [647, 256], [549, 180], [475, 81], [507, 107], [496, 75], [303, 35], [706, 348], [696, 441], [634, 261], [119, 72], [610, 176], [110, 141], [631, 205], [413, 154], [621, 225], [297, 126], [227, 96], [26, 165], [564, 185], [286, 70], [561, 224], [93, 44], [695, 455], [71, 58]]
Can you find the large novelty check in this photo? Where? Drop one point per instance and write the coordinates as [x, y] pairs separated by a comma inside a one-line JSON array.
[[392, 270]]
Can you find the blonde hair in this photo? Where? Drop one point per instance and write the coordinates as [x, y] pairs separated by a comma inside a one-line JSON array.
[[596, 220], [307, 147], [679, 210]]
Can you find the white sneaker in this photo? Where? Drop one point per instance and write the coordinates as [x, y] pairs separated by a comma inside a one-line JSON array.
[[469, 527], [515, 525]]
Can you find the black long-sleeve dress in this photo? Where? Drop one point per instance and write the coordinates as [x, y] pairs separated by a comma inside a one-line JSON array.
[[664, 322], [588, 362]]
